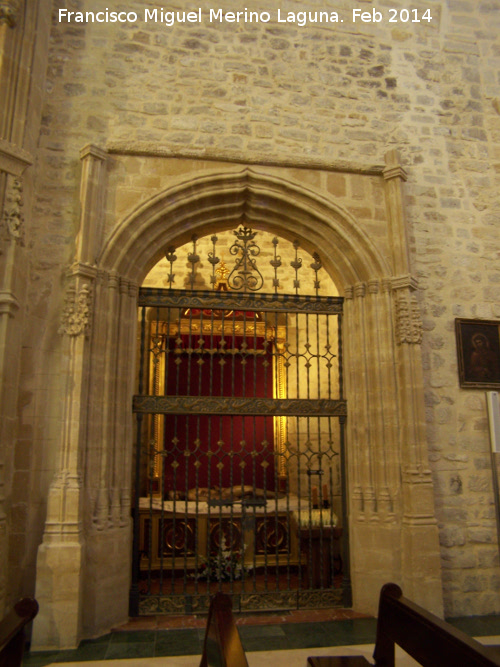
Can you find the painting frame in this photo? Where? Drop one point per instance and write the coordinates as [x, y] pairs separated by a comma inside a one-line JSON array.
[[478, 351]]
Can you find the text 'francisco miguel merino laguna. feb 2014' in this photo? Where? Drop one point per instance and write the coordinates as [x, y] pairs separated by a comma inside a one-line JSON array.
[[217, 15]]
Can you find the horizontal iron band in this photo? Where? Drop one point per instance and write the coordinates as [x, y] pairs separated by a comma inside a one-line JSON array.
[[209, 299], [212, 405]]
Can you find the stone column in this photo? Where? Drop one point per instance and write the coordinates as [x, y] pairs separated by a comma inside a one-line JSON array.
[[421, 568], [108, 456], [372, 432], [13, 162], [61, 562]]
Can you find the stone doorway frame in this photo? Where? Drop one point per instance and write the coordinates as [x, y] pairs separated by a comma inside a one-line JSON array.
[[83, 566]]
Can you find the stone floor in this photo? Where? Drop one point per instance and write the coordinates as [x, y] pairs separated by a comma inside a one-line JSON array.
[[285, 639]]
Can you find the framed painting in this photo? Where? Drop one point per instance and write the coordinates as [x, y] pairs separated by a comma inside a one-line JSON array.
[[478, 349]]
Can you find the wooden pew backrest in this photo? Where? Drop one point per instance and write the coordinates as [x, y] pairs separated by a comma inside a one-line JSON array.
[[428, 639], [12, 632]]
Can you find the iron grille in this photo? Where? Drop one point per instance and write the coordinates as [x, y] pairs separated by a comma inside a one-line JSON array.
[[240, 479]]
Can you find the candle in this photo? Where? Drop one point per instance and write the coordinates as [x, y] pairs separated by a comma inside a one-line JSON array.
[[325, 492], [315, 496]]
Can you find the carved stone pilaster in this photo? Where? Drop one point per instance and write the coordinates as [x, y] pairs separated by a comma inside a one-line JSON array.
[[9, 12], [395, 176], [76, 315], [92, 198]]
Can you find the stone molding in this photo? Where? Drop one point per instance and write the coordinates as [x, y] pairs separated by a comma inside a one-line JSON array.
[[387, 284], [64, 526], [408, 321], [152, 149], [417, 474], [13, 160]]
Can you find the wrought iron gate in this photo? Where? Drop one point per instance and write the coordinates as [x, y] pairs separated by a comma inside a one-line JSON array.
[[240, 478]]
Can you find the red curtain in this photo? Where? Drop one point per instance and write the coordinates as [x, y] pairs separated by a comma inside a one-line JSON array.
[[218, 451]]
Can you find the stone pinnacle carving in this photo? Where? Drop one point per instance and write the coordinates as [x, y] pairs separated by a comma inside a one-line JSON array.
[[75, 319], [13, 212], [408, 321], [9, 12]]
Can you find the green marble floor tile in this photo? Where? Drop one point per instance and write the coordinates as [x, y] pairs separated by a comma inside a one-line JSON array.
[[133, 637], [261, 631], [103, 639], [85, 652], [306, 635], [352, 631], [477, 626], [265, 644], [39, 658], [178, 642], [122, 650]]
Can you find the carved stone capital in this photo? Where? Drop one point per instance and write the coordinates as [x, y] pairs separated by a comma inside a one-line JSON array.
[[393, 168], [9, 12], [406, 281], [359, 289], [113, 280], [76, 315], [93, 151], [82, 270]]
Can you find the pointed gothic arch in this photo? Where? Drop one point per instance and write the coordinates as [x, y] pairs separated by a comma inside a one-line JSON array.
[[222, 200], [392, 525]]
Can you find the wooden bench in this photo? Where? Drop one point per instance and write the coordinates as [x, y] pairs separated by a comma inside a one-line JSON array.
[[222, 646], [12, 628], [426, 638]]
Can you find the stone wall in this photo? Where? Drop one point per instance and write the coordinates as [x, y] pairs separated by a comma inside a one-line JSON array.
[[322, 96]]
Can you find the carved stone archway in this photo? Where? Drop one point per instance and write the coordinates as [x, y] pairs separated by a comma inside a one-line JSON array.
[[393, 532]]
